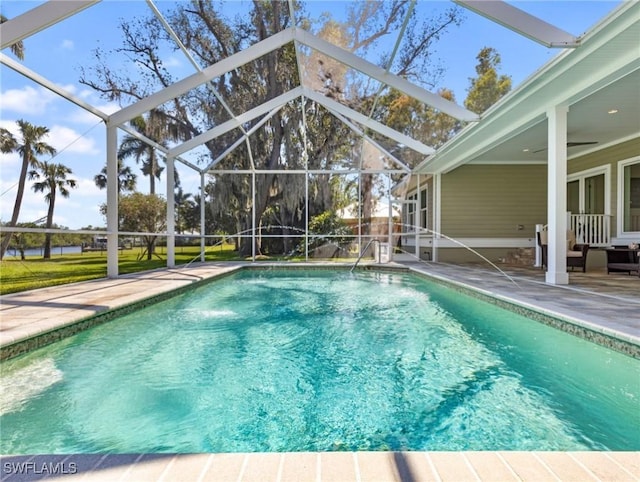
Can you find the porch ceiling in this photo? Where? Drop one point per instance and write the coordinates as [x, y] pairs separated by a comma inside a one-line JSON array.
[[588, 121]]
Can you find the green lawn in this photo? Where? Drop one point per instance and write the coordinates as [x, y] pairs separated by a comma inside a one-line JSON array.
[[35, 272]]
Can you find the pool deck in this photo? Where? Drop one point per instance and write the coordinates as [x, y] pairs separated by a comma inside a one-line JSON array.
[[606, 303]]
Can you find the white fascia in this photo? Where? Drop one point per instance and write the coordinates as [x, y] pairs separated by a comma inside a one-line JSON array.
[[521, 22], [39, 18], [525, 106]]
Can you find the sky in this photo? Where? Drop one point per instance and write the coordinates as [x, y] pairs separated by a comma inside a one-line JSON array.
[[60, 52]]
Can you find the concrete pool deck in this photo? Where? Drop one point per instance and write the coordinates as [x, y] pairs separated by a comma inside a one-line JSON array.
[[609, 303]]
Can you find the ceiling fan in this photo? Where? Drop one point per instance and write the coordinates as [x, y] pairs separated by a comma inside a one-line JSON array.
[[570, 144]]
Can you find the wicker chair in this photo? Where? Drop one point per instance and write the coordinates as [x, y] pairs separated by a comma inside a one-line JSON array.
[[576, 253], [620, 259]]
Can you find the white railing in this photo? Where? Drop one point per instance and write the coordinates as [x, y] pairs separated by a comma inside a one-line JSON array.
[[591, 229]]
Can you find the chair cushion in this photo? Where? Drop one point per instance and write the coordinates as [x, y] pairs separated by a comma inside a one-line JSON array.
[[574, 254]]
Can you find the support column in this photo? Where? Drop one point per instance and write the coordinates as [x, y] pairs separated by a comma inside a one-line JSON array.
[[171, 214], [389, 215], [557, 196], [306, 211], [202, 217], [253, 216], [417, 237], [112, 202], [437, 210]]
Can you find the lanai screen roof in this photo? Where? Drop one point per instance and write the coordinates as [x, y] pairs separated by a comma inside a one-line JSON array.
[[321, 56]]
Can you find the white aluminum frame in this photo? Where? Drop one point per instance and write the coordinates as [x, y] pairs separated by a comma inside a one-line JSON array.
[[52, 12]]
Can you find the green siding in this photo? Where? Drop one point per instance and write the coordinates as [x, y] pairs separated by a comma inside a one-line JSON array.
[[490, 201]]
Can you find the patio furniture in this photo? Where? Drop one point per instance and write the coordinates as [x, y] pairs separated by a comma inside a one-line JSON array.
[[576, 253], [621, 259]]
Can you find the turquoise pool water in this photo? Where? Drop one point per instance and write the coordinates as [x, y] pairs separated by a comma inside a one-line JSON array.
[[317, 360]]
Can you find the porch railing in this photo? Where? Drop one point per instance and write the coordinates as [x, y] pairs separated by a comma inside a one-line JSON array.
[[591, 229]]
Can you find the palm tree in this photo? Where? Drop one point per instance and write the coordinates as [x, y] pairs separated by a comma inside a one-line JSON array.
[[182, 204], [126, 178], [17, 48], [54, 181], [30, 147], [159, 127]]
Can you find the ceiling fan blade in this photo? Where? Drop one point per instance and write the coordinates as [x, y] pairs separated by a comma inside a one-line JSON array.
[[570, 144], [585, 143]]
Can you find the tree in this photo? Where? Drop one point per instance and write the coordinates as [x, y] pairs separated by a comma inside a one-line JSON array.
[[17, 48], [487, 88], [327, 224], [30, 146], [126, 178], [54, 180], [142, 152], [280, 143], [142, 213], [182, 206], [23, 241]]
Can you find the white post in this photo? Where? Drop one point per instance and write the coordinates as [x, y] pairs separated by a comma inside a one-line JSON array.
[[306, 210], [171, 214], [557, 196], [390, 217], [202, 218], [436, 215], [538, 262], [418, 219], [253, 217], [112, 202]]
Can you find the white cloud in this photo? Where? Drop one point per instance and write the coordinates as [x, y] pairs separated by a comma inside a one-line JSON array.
[[67, 44], [109, 108], [68, 87], [172, 61], [9, 162], [82, 116], [28, 100], [80, 209], [68, 140]]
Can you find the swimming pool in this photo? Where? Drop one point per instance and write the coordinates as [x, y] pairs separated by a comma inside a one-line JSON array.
[[318, 360]]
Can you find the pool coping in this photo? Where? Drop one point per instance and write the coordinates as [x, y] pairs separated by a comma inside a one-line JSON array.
[[59, 331], [329, 466], [603, 336]]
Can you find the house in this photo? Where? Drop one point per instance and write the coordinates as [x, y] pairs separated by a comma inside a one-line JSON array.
[[566, 141], [561, 150], [383, 219]]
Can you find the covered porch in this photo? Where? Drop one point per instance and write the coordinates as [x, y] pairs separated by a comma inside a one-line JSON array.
[[561, 151]]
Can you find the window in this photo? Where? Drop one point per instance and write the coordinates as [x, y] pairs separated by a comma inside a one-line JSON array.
[[629, 196], [424, 216], [410, 212], [588, 191]]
